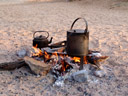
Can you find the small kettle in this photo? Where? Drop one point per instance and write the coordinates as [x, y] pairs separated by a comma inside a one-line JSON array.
[[41, 41]]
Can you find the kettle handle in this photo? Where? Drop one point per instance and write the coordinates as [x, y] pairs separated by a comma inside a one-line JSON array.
[[86, 29], [40, 31]]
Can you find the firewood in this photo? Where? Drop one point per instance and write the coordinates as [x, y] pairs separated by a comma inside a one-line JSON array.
[[58, 44], [94, 60], [37, 67], [62, 49], [12, 65], [59, 53]]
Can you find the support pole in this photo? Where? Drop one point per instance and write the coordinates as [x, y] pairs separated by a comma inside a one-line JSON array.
[[81, 62]]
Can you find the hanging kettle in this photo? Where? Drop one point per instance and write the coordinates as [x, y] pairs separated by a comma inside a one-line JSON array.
[[78, 40]]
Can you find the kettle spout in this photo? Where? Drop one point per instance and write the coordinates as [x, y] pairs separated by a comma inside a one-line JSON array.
[[50, 40]]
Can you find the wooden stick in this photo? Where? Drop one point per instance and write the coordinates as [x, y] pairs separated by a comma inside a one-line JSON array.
[[12, 65], [59, 53], [58, 44]]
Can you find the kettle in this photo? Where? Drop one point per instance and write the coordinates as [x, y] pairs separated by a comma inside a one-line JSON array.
[[78, 40], [41, 41]]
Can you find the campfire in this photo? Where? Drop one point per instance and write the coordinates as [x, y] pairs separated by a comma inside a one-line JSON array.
[[59, 56], [64, 59], [61, 63], [67, 57]]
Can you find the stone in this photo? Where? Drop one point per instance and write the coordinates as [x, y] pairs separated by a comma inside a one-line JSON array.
[[86, 94], [22, 53], [96, 54], [80, 89], [37, 67], [80, 76], [99, 73], [59, 82]]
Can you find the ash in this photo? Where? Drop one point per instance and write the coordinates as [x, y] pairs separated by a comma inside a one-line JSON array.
[[73, 74]]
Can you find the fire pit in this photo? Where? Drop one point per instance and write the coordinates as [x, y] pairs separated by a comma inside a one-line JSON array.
[[63, 65], [65, 56]]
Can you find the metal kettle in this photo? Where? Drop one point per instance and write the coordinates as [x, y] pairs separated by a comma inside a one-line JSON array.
[[78, 40], [41, 41]]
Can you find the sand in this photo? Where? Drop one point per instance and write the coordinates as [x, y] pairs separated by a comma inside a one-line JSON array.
[[108, 26]]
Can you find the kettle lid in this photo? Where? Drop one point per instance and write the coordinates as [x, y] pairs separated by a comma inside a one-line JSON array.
[[77, 31]]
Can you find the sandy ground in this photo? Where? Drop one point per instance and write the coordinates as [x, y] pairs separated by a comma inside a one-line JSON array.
[[108, 26]]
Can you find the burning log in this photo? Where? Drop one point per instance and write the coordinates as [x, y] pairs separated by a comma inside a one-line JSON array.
[[37, 67], [95, 60], [12, 65]]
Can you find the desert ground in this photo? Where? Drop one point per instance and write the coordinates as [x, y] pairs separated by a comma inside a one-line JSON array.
[[108, 27]]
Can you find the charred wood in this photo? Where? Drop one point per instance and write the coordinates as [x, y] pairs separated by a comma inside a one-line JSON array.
[[58, 44], [12, 65]]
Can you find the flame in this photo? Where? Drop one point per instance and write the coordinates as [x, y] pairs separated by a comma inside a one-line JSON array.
[[55, 53], [38, 52], [85, 60], [65, 65], [76, 59], [46, 56], [59, 58]]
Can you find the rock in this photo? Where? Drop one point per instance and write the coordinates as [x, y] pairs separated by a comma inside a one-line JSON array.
[[22, 53], [59, 82], [80, 76], [79, 89], [96, 54], [51, 78], [86, 94], [38, 76], [25, 74], [37, 67], [99, 73]]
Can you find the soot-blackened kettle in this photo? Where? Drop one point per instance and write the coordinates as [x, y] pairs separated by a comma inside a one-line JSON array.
[[78, 40], [41, 41]]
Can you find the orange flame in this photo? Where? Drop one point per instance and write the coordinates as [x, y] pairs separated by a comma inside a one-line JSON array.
[[55, 53], [85, 60], [76, 59], [65, 65], [38, 52], [46, 56]]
